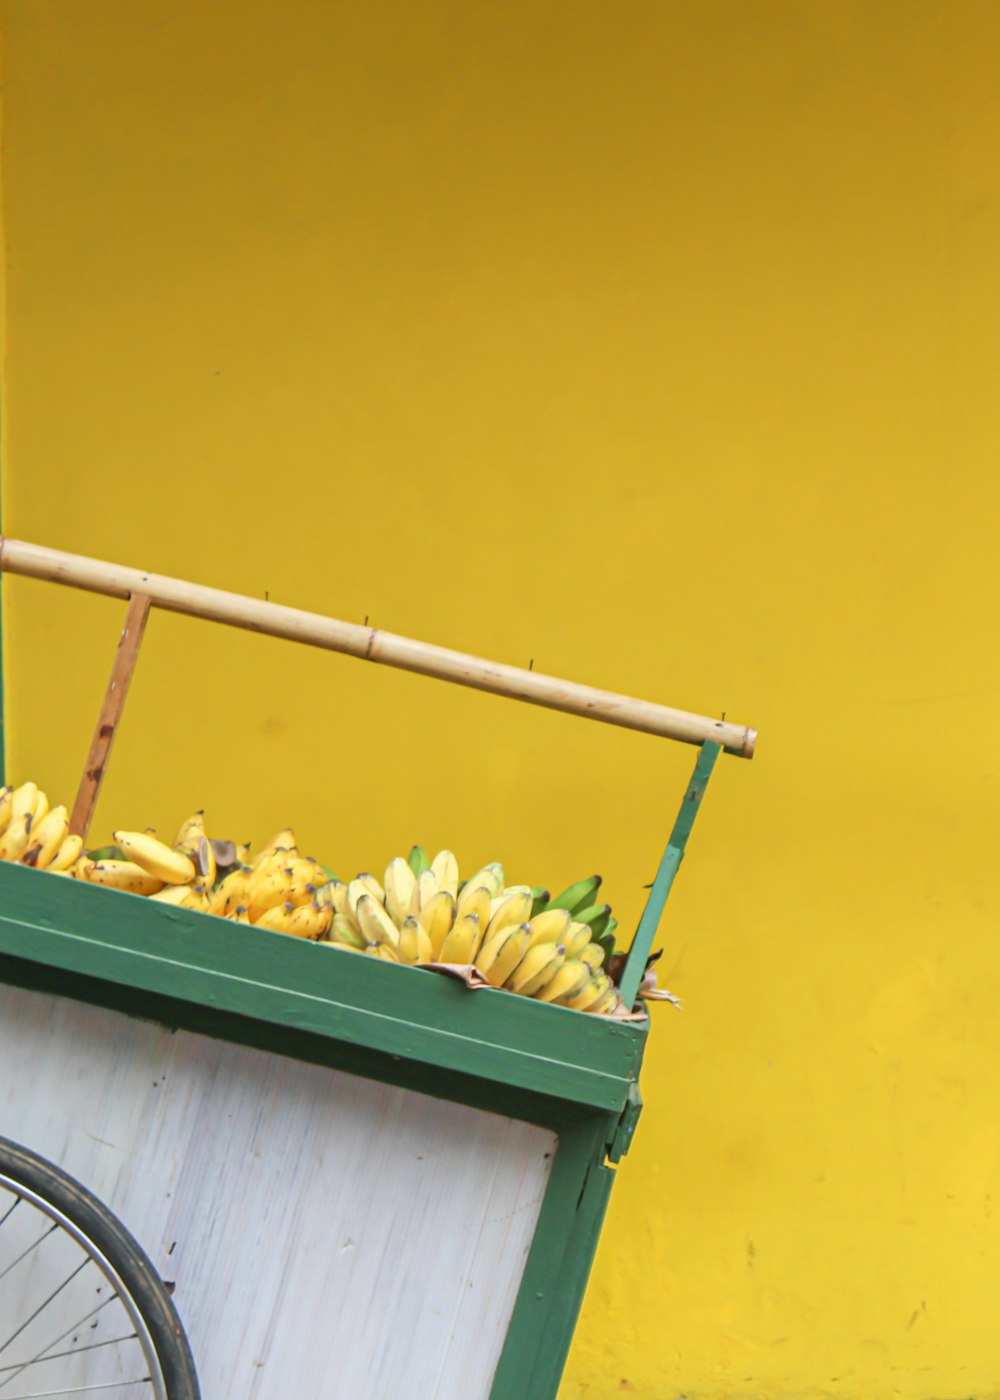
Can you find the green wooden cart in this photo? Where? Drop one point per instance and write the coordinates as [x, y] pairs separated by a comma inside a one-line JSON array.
[[493, 1124]]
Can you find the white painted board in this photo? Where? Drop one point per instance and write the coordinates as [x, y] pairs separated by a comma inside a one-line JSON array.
[[329, 1237]]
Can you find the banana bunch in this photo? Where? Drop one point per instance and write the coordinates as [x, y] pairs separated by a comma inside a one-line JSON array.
[[518, 937], [33, 833]]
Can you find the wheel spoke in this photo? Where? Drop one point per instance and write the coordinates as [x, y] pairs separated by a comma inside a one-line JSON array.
[[79, 1389], [18, 1367], [47, 1233], [41, 1308]]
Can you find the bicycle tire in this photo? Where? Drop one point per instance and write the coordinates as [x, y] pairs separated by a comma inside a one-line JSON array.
[[20, 1166]]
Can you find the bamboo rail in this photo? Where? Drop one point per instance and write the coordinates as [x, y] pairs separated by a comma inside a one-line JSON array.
[[371, 644]]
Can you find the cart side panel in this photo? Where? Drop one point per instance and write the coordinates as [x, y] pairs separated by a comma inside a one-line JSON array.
[[327, 1235]]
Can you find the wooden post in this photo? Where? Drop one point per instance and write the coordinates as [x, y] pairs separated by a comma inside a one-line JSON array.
[[111, 712]]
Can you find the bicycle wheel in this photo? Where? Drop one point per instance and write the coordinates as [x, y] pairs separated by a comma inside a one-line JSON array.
[[82, 1310]]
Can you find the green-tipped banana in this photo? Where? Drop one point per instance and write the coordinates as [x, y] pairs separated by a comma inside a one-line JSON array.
[[595, 989], [577, 896], [576, 940], [418, 860], [597, 916], [345, 930], [540, 899]]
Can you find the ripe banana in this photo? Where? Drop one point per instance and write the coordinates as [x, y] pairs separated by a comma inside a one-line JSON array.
[[375, 922], [6, 794], [122, 875], [66, 856], [277, 918], [595, 988], [14, 841], [490, 875], [475, 901], [22, 802], [498, 958], [310, 921], [511, 909], [266, 889], [414, 943], [41, 806], [399, 884], [205, 859], [424, 890], [176, 894], [552, 926], [155, 857], [383, 951], [47, 836], [569, 981], [233, 891], [282, 841], [372, 885], [462, 944], [576, 940], [355, 890], [593, 955], [437, 919], [189, 833], [240, 915], [538, 966], [577, 896], [445, 867]]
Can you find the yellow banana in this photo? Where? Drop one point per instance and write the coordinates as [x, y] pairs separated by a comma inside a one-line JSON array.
[[398, 884], [576, 940], [66, 856], [189, 833], [462, 944], [243, 852], [604, 1004], [174, 894], [6, 796], [593, 955], [41, 806], [206, 862], [282, 841], [375, 922], [569, 981], [414, 943], [345, 930], [239, 915], [374, 888], [551, 926], [596, 988], [47, 836], [277, 918], [424, 890], [540, 963], [233, 890], [437, 919], [474, 901], [512, 909], [265, 890], [334, 893], [196, 898], [383, 951], [157, 858], [22, 802], [122, 875], [310, 921], [498, 958], [14, 841], [445, 867]]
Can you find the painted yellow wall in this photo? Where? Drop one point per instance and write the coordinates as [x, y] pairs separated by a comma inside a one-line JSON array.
[[656, 342]]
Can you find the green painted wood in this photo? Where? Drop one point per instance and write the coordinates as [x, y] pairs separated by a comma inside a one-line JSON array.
[[293, 985], [558, 1265], [642, 944]]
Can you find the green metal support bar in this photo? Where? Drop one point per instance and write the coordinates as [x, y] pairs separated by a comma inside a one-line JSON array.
[[642, 944]]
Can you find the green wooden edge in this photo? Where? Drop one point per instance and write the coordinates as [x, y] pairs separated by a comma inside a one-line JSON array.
[[558, 1265], [293, 985], [642, 944]]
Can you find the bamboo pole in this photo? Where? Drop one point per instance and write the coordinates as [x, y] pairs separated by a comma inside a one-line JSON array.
[[371, 644]]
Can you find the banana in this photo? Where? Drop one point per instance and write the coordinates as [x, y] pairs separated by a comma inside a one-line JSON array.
[[196, 898], [476, 902], [6, 794], [176, 894], [205, 859], [593, 955], [569, 981], [310, 921], [424, 890], [498, 958], [491, 876], [243, 852], [375, 922], [414, 943], [437, 919], [47, 836], [22, 802], [604, 1003], [282, 841], [462, 944], [418, 861], [189, 833], [66, 856], [399, 884], [303, 893], [240, 915], [372, 885], [540, 963], [596, 916], [445, 867], [233, 891], [512, 908], [577, 896], [541, 899], [277, 918], [156, 858], [577, 938], [383, 951], [355, 890], [552, 926], [122, 875], [345, 930], [266, 889], [593, 991], [41, 806], [334, 893], [14, 841]]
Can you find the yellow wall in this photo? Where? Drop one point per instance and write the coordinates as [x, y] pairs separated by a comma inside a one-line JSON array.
[[655, 342]]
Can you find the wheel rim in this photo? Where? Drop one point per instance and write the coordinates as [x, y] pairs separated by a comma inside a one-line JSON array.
[[44, 1281]]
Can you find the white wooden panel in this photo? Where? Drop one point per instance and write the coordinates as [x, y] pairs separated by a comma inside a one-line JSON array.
[[329, 1236]]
